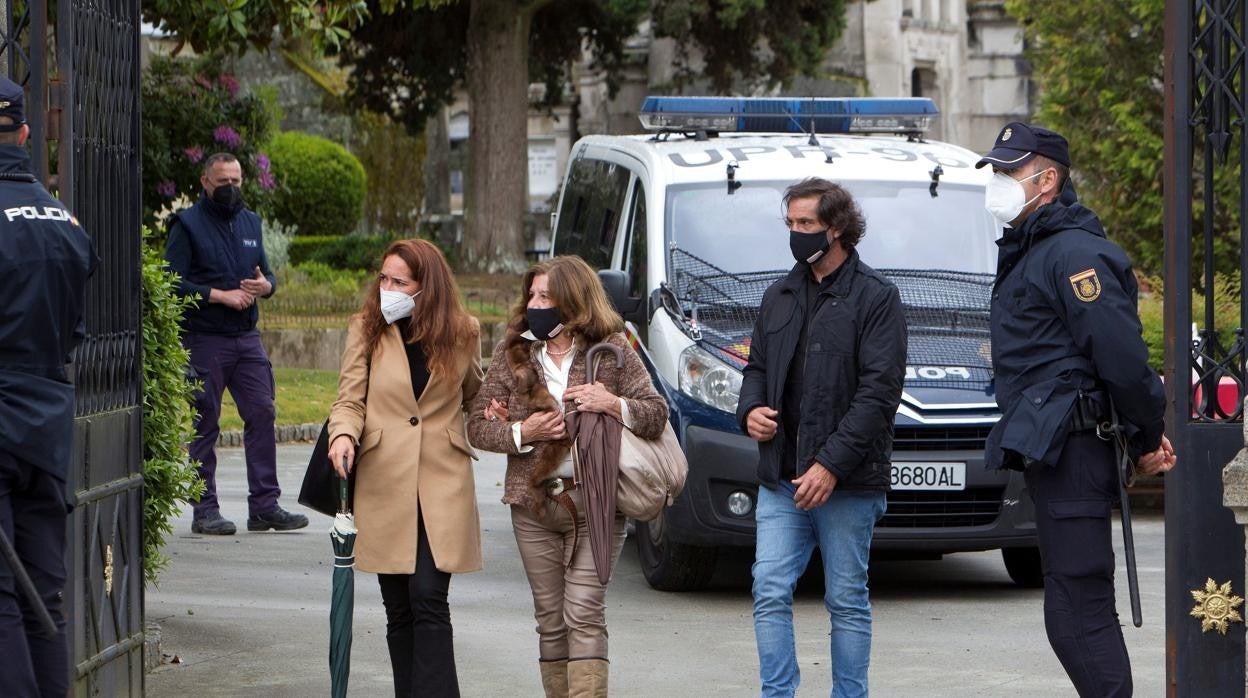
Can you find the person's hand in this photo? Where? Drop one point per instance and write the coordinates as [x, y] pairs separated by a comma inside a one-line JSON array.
[[237, 298], [257, 285], [813, 486], [497, 410], [342, 447], [1161, 461], [760, 423], [593, 398], [543, 426]]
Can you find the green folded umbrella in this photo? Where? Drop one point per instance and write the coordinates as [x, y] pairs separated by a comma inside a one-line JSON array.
[[342, 603]]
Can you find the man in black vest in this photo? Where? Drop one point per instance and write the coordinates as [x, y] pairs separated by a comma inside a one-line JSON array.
[[45, 260], [1066, 351], [217, 249]]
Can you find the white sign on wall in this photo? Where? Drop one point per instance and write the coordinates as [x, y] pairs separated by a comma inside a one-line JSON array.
[[543, 173]]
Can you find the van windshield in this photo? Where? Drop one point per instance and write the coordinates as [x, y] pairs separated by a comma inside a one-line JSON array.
[[906, 227]]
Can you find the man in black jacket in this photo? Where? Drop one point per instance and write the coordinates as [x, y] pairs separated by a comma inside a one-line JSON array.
[[820, 391], [217, 248], [1067, 350], [45, 260]]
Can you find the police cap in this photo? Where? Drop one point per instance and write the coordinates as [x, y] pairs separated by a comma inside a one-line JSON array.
[[1018, 143], [12, 104]]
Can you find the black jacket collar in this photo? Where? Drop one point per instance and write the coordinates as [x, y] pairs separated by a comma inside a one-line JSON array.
[[216, 210], [797, 277], [1064, 213], [14, 158]]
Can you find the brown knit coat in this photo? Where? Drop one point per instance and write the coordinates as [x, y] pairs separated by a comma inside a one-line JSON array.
[[516, 378]]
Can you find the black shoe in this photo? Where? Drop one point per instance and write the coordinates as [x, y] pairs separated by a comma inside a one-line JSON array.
[[213, 525], [279, 520]]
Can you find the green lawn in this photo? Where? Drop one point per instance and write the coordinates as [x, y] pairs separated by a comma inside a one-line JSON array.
[[304, 396]]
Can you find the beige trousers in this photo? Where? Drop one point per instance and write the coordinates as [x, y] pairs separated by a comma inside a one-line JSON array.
[[568, 601]]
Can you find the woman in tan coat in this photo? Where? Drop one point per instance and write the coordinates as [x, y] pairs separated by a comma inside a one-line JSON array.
[[411, 365], [536, 375]]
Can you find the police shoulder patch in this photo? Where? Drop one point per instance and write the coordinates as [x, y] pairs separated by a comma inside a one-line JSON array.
[[1086, 286]]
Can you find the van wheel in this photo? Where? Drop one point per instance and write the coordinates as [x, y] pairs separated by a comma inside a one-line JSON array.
[[1023, 564], [672, 566]]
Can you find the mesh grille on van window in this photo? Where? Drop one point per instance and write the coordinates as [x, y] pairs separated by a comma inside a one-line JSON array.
[[946, 316]]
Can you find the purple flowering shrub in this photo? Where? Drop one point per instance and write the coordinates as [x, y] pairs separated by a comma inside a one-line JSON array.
[[190, 111]]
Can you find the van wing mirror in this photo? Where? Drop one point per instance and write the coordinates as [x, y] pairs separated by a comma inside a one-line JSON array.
[[631, 308]]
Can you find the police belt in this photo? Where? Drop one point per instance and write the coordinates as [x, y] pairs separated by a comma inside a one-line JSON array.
[[1090, 413]]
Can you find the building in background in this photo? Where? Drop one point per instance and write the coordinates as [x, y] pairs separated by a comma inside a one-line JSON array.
[[966, 55]]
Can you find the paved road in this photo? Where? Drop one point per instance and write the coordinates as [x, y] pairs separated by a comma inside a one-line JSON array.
[[247, 615]]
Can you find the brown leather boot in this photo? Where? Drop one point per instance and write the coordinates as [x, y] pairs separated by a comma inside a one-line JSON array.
[[587, 678], [555, 678]]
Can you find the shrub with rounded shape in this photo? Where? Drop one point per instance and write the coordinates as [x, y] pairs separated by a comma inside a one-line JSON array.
[[320, 184]]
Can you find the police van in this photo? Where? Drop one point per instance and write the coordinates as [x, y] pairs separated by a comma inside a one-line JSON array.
[[685, 225]]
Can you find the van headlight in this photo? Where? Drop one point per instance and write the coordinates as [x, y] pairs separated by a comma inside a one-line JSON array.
[[709, 380]]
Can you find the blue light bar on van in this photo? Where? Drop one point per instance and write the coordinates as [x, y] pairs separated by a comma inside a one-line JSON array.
[[788, 115]]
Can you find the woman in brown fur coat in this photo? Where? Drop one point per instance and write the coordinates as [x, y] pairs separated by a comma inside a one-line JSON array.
[[536, 375]]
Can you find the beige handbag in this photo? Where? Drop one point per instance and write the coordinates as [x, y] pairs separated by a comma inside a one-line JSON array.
[[652, 474]]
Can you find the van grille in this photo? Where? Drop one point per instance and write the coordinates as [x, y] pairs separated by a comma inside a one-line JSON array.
[[977, 506], [940, 438]]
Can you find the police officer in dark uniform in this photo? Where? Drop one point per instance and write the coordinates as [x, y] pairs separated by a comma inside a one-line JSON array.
[[45, 260], [1066, 350]]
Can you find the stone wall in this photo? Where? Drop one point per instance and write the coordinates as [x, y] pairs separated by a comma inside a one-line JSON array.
[[306, 105], [322, 349]]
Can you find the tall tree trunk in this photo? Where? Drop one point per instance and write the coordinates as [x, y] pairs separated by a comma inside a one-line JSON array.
[[437, 165], [498, 98]]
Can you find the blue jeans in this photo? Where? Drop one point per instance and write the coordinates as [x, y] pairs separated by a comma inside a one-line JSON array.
[[787, 536]]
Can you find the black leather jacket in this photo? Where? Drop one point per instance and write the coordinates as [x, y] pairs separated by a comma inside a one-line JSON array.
[[855, 366]]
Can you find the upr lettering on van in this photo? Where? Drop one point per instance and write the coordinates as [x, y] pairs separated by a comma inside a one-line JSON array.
[[937, 373], [49, 213], [800, 152]]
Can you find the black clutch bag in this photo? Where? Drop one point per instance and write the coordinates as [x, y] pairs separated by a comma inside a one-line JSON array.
[[320, 482]]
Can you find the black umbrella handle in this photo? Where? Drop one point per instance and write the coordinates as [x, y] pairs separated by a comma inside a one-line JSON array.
[[343, 490], [593, 351]]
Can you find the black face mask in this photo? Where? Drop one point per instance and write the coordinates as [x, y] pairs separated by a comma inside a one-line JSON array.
[[544, 323], [228, 196], [809, 248]]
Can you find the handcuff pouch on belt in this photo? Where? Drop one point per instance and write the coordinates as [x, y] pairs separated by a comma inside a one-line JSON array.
[[1091, 413]]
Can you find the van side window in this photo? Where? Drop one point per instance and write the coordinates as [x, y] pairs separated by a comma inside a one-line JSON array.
[[636, 262], [590, 214]]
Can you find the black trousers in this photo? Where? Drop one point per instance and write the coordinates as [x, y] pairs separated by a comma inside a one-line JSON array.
[[32, 514], [1073, 506], [418, 627]]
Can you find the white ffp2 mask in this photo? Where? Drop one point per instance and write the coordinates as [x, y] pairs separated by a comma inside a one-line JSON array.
[[1005, 197], [396, 305]]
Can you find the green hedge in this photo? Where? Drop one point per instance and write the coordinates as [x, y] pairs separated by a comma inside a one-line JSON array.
[[340, 251], [168, 416], [1226, 293], [320, 184]]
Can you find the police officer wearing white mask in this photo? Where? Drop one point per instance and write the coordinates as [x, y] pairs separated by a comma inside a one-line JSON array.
[[1066, 344]]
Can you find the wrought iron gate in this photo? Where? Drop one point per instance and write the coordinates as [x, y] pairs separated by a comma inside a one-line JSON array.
[[1206, 142], [79, 62]]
